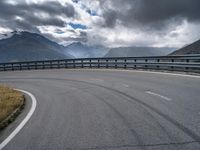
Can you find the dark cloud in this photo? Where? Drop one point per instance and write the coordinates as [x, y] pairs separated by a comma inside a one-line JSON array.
[[157, 10], [54, 8], [149, 17], [155, 14], [110, 17], [30, 17], [83, 34]]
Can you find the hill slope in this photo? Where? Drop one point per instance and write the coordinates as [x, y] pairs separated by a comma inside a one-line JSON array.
[[25, 46], [138, 51], [193, 48]]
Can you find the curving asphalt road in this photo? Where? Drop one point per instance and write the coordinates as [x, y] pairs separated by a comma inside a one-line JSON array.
[[108, 109]]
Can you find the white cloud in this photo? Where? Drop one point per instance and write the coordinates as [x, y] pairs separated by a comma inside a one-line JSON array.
[[181, 35], [4, 30], [121, 34]]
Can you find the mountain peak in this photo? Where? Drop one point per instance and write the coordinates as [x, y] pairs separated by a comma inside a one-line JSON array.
[[26, 46], [80, 50], [25, 34], [76, 44]]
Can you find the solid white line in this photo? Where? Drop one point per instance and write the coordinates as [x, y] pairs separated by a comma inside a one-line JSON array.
[[165, 73], [141, 71], [22, 124], [161, 96]]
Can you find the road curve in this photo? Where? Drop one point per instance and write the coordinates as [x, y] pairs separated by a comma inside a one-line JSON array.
[[108, 109]]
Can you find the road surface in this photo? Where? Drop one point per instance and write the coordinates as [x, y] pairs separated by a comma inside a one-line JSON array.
[[107, 109]]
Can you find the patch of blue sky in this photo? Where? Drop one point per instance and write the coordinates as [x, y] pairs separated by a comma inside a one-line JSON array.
[[92, 12], [78, 26], [75, 1], [88, 10]]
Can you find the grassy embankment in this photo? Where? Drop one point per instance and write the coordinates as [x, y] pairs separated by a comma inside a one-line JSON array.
[[11, 104]]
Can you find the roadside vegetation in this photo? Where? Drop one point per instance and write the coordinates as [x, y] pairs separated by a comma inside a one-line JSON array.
[[11, 103]]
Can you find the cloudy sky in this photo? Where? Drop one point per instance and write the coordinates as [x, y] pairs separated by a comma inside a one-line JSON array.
[[113, 23]]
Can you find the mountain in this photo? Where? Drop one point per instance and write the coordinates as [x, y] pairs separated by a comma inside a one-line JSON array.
[[79, 50], [138, 51], [193, 48], [25, 46]]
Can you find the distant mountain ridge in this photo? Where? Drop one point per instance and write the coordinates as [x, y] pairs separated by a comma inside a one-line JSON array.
[[193, 48], [25, 46], [79, 50], [138, 51]]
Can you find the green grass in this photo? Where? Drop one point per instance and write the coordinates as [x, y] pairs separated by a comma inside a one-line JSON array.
[[10, 100]]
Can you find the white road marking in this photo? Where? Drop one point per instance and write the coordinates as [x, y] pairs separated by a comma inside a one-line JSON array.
[[166, 73], [22, 124], [161, 96], [126, 85], [97, 80], [141, 71]]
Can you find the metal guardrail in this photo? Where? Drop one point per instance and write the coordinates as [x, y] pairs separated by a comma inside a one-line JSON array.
[[189, 63]]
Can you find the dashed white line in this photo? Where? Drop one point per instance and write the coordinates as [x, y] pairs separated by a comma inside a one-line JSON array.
[[97, 80], [22, 124], [126, 85], [158, 95]]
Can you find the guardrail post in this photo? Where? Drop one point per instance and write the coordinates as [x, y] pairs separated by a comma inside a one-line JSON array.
[[43, 67], [146, 66], [20, 66], [125, 65], [106, 63], [115, 63], [12, 67], [35, 65], [81, 63], [58, 64], [90, 63], [66, 66], [74, 66], [4, 67], [186, 68], [158, 60], [98, 64], [28, 66], [51, 65], [172, 67], [135, 66]]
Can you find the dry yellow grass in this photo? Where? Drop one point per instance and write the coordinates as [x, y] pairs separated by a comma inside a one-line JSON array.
[[10, 100]]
